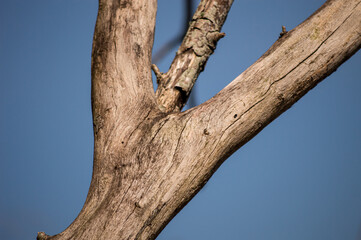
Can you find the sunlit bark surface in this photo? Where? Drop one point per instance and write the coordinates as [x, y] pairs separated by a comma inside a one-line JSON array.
[[150, 158]]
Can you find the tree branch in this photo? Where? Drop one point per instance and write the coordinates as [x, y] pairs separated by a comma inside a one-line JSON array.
[[207, 135], [121, 56], [122, 88], [295, 64], [198, 44], [149, 164], [122, 98]]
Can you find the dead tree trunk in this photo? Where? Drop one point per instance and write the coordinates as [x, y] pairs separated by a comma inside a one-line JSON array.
[[150, 158]]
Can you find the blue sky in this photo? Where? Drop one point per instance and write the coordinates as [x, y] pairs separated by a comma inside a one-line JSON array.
[[300, 178]]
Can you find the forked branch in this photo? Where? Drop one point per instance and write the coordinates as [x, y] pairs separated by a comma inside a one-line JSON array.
[[148, 164]]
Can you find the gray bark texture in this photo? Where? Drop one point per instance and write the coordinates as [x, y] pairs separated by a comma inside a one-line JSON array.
[[150, 158]]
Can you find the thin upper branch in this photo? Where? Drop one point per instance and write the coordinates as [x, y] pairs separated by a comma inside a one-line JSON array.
[[199, 43]]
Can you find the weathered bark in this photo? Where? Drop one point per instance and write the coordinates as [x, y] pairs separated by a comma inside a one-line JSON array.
[[198, 44], [149, 158]]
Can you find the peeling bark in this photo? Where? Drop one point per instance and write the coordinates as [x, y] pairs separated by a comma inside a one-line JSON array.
[[150, 159], [198, 44]]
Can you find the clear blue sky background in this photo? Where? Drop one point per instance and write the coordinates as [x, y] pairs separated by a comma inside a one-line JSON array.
[[300, 178]]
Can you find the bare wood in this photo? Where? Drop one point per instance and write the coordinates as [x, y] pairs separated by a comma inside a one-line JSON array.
[[147, 163], [288, 70], [295, 64], [122, 97], [198, 44]]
